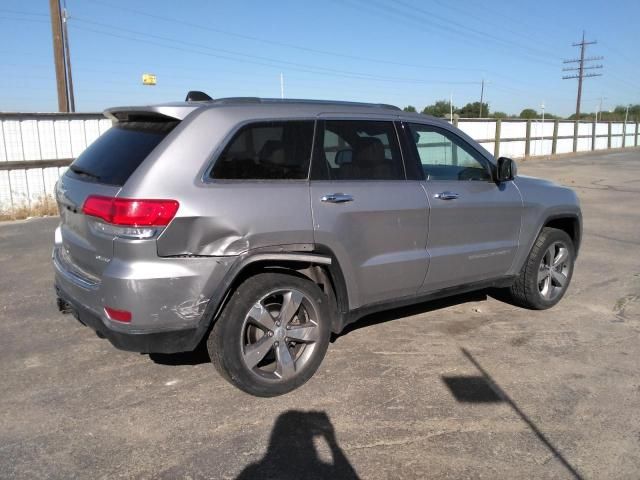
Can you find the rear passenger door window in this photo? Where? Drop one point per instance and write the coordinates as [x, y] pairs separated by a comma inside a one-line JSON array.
[[445, 156], [358, 150], [267, 151]]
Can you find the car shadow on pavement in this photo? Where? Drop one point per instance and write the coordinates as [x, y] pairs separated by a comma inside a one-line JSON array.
[[483, 389], [200, 354], [417, 309], [296, 442], [196, 357]]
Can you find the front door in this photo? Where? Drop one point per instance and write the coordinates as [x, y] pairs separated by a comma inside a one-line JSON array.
[[474, 222], [366, 212]]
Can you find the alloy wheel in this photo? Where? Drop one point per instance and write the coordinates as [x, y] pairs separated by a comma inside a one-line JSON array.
[[553, 273], [279, 334]]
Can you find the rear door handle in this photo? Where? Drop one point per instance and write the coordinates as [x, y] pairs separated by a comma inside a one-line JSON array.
[[447, 195], [336, 198]]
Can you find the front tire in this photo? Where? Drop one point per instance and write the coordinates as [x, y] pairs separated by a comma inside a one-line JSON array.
[[547, 272], [272, 335]]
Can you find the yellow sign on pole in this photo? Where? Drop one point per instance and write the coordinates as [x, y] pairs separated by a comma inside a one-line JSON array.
[[148, 79]]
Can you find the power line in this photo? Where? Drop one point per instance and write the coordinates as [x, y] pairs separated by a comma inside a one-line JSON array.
[[466, 28], [581, 68], [249, 58], [297, 47], [22, 19], [18, 12], [454, 29], [277, 43]]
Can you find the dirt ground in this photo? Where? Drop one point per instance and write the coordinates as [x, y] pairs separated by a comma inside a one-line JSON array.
[[470, 387]]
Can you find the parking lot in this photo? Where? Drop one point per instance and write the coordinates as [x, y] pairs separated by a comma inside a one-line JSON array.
[[470, 387]]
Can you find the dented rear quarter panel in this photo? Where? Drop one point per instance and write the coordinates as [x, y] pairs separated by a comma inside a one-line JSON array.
[[221, 218]]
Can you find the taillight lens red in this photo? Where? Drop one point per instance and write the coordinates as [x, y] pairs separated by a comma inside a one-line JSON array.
[[123, 316], [131, 211]]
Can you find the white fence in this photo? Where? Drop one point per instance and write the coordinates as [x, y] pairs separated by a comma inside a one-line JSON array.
[[531, 138], [35, 149]]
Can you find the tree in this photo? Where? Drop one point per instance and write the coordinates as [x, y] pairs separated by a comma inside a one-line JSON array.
[[529, 113], [633, 115], [410, 108], [499, 115], [591, 116], [472, 110], [438, 109]]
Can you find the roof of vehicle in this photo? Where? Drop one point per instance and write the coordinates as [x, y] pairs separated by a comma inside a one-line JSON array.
[[179, 110]]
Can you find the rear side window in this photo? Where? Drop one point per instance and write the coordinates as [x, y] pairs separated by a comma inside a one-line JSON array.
[[267, 151], [116, 154], [358, 150]]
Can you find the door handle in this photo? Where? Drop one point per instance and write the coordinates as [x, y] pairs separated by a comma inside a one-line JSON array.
[[447, 195], [336, 198]]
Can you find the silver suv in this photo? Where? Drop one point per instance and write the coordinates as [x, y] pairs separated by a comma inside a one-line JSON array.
[[261, 226]]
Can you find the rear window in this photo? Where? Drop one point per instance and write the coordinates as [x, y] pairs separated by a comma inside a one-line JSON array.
[[115, 155]]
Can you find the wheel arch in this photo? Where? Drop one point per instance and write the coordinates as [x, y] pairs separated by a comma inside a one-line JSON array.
[[321, 268], [569, 223]]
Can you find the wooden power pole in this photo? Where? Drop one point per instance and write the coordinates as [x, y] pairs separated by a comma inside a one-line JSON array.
[[58, 55], [67, 60], [580, 69]]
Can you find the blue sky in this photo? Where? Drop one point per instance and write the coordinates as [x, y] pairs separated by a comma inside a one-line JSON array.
[[393, 51]]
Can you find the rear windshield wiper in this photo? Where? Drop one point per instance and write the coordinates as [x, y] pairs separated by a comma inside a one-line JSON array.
[[82, 171]]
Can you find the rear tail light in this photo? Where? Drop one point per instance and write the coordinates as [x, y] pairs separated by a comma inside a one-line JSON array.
[[118, 315], [131, 212]]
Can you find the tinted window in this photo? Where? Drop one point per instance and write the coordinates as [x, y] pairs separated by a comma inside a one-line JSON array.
[[115, 155], [358, 150], [444, 156], [268, 150]]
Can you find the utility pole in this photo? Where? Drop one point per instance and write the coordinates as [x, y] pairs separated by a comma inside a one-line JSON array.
[[581, 68], [542, 130], [281, 85], [481, 98], [67, 58], [600, 107], [58, 55], [624, 127]]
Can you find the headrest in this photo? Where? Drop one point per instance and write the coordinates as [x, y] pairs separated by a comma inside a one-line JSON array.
[[344, 156], [369, 150], [273, 152]]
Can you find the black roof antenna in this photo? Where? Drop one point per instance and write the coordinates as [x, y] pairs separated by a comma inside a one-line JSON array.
[[197, 96]]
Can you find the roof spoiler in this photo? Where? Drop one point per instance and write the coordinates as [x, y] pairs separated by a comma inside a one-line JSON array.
[[197, 96], [153, 113]]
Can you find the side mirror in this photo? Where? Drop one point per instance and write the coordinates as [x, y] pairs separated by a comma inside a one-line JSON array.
[[506, 169]]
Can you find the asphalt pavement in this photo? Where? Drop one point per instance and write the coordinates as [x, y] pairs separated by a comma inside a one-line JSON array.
[[469, 387]]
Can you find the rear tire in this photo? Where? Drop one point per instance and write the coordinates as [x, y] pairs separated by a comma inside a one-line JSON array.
[[272, 335], [547, 272]]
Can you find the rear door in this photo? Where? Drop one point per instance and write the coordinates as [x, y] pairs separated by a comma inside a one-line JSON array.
[[474, 224], [365, 210], [101, 169]]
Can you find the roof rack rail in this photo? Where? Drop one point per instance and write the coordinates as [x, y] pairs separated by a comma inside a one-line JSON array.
[[254, 100], [197, 96]]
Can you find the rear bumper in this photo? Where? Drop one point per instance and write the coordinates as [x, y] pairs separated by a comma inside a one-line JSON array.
[[171, 341], [168, 298]]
